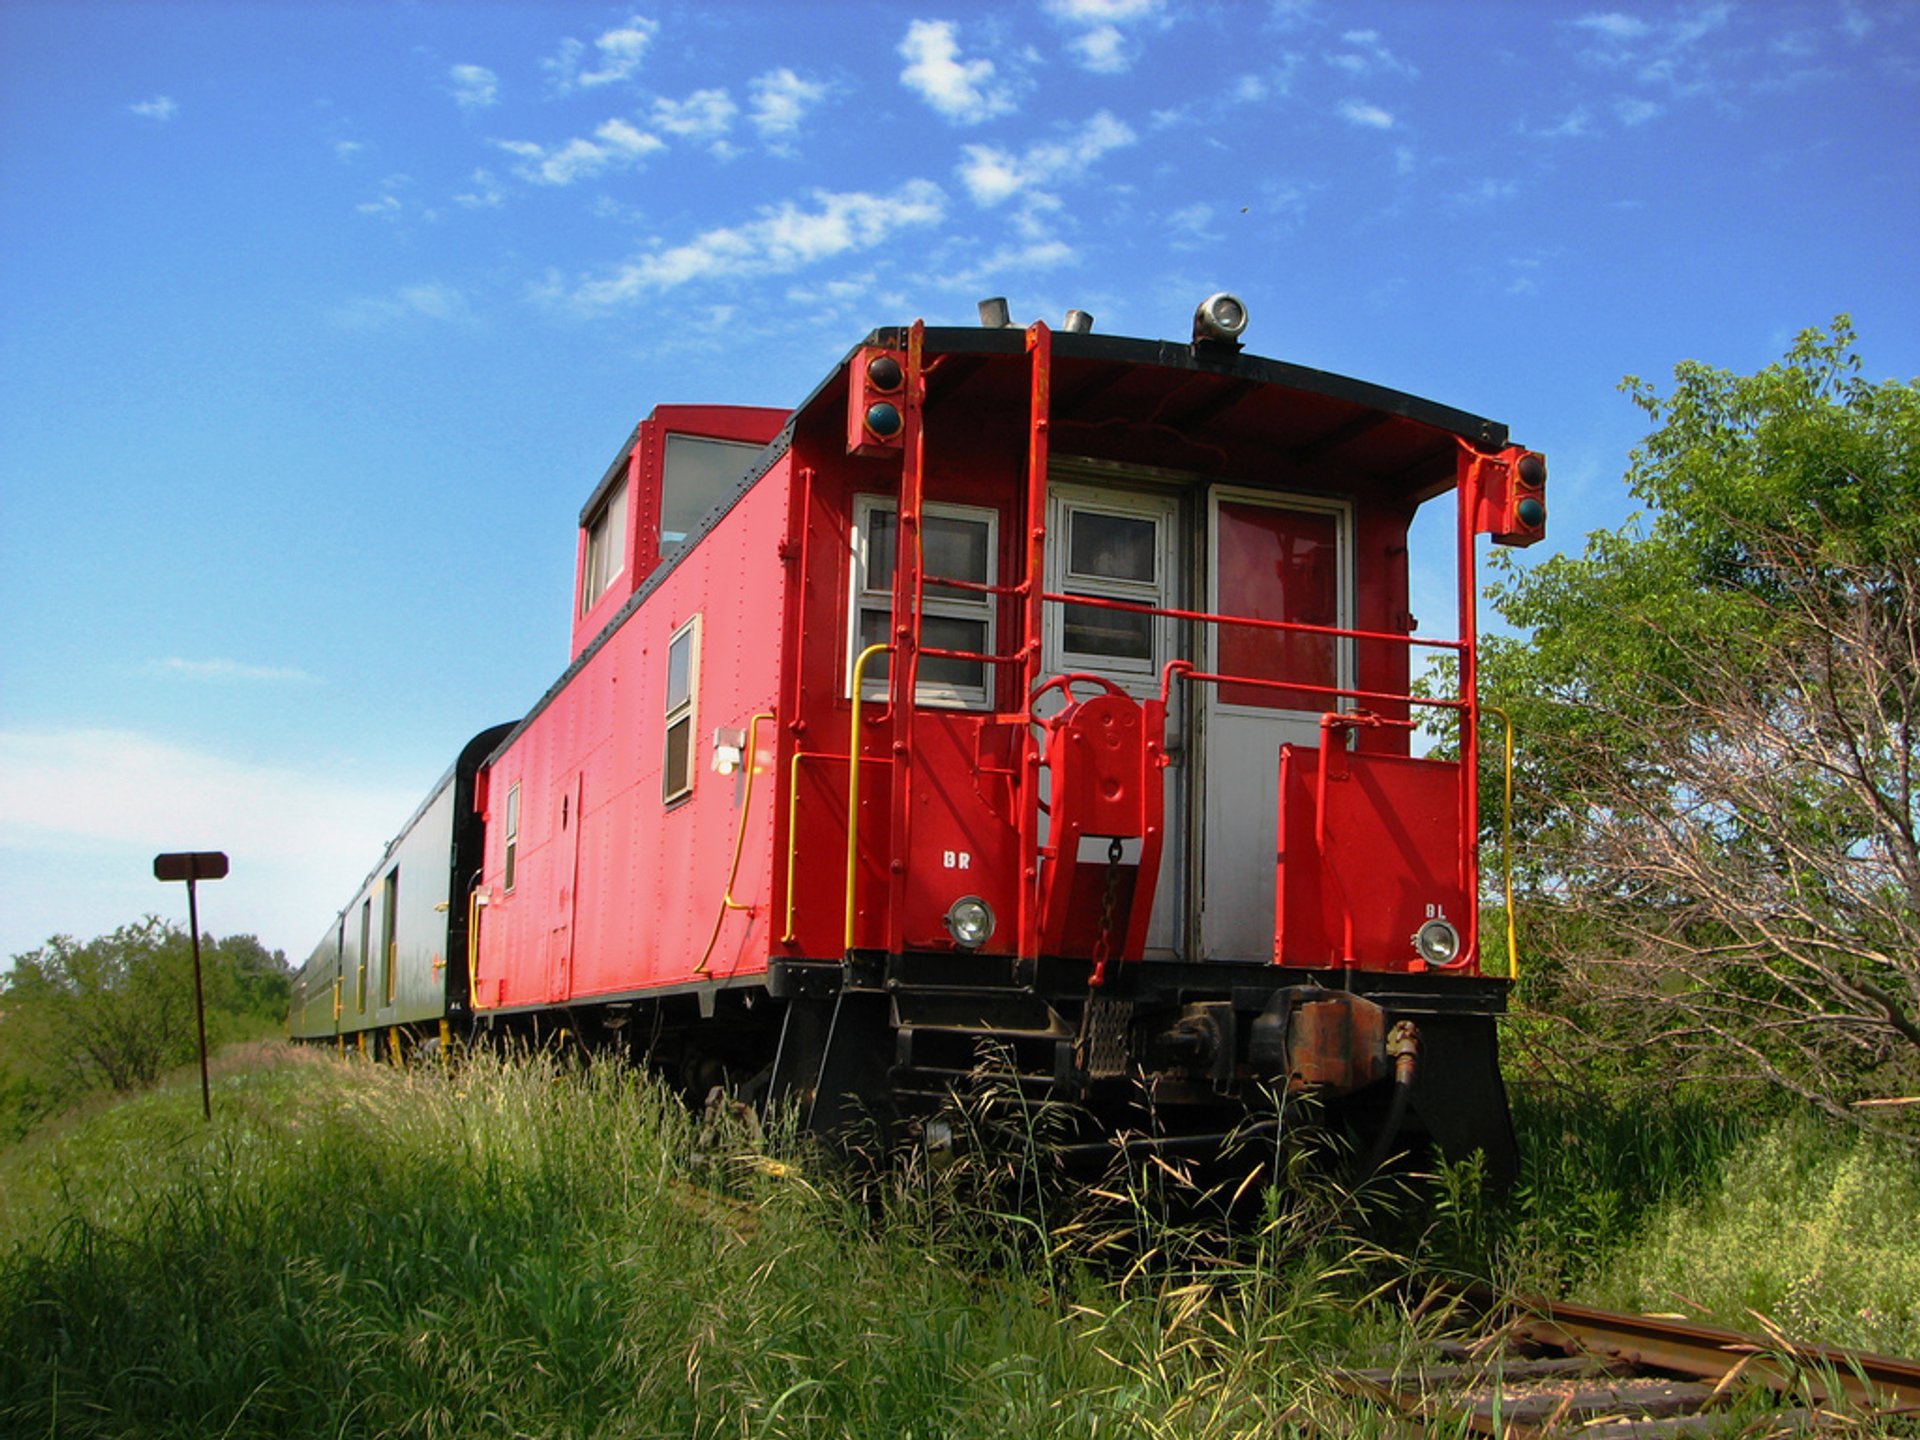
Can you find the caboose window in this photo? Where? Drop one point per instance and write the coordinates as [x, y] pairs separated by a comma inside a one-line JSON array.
[[683, 680], [606, 547], [698, 475], [513, 834], [1113, 545], [958, 542]]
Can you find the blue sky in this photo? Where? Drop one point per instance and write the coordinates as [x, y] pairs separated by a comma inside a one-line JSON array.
[[318, 323]]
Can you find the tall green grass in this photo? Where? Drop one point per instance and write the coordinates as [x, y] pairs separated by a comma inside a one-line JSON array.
[[516, 1250]]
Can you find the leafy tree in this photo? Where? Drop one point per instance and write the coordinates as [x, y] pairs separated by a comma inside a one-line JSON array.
[[1717, 705], [117, 1012]]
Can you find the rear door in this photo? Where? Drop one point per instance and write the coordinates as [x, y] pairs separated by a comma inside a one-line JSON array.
[[1269, 557], [1123, 543]]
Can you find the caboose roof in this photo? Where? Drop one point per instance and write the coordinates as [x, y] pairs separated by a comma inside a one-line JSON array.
[[1163, 391]]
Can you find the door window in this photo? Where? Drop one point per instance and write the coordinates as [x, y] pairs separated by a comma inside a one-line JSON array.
[[1279, 562]]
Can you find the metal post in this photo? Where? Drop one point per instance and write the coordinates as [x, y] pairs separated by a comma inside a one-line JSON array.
[[191, 866], [199, 1000]]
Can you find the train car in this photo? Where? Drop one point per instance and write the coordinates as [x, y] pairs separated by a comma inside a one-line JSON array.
[[391, 970], [1033, 689]]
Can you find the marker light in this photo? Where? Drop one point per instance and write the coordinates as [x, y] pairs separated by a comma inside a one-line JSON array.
[[883, 419], [1438, 942], [1220, 317], [970, 921], [885, 372]]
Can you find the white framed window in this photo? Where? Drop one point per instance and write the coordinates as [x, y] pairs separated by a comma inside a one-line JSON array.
[[958, 542], [683, 684], [606, 547], [1111, 545], [513, 834]]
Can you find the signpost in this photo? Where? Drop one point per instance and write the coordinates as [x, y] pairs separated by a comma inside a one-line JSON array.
[[190, 866]]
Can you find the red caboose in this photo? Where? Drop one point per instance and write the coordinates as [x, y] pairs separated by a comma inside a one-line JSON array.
[[1048, 689]]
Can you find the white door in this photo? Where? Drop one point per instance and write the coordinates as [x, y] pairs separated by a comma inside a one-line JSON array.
[[1122, 544], [1269, 557]]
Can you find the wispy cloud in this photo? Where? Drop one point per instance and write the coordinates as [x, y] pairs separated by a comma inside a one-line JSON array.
[[229, 670], [1100, 42], [1576, 124], [1011, 260], [780, 101], [428, 300], [485, 194], [82, 812], [345, 150], [1366, 54], [1666, 52], [617, 144], [1612, 25], [475, 87], [785, 238], [965, 91], [615, 56], [992, 175], [705, 116], [1366, 114], [160, 107]]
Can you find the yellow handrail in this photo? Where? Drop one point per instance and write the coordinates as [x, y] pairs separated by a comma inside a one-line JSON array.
[[793, 836], [727, 902], [1506, 844], [853, 783]]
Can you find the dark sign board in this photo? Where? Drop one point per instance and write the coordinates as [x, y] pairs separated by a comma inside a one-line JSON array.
[[191, 865]]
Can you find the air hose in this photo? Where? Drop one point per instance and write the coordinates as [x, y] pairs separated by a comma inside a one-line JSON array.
[[1403, 1048]]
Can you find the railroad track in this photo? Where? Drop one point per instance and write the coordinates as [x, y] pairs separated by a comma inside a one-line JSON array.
[[1549, 1368]]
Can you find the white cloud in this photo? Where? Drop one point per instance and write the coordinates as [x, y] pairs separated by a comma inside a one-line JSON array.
[[485, 194], [1366, 55], [992, 175], [387, 205], [1360, 112], [1614, 26], [83, 812], [160, 108], [475, 87], [1576, 124], [616, 144], [224, 670], [781, 100], [962, 90], [617, 54], [1633, 111], [345, 150], [1101, 46], [1192, 225], [703, 115], [785, 238], [429, 300], [1103, 12], [1015, 259]]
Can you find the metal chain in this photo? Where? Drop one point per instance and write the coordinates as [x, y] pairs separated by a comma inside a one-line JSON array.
[[1103, 944]]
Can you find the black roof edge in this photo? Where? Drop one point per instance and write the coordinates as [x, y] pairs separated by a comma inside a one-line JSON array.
[[615, 471], [1173, 355]]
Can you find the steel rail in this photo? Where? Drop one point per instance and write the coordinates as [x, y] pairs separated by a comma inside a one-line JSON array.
[[1890, 1385]]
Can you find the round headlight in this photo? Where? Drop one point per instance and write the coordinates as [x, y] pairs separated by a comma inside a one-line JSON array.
[[1220, 317], [1438, 942], [970, 921], [884, 419]]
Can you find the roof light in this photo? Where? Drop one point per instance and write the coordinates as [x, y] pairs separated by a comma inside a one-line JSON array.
[[1221, 318]]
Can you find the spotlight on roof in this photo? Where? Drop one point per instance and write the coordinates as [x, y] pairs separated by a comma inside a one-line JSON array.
[[1220, 320], [994, 315], [1078, 322]]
